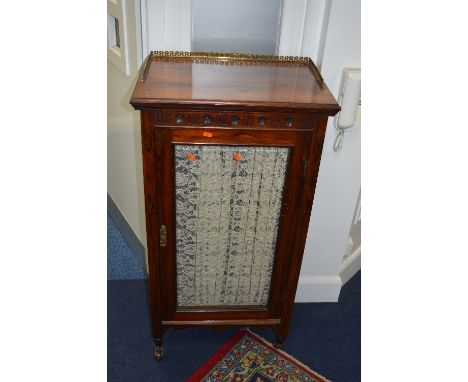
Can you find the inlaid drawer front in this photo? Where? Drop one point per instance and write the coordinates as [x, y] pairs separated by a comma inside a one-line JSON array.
[[234, 119]]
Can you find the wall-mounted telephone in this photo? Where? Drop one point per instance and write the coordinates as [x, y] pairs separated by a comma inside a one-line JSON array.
[[349, 98]]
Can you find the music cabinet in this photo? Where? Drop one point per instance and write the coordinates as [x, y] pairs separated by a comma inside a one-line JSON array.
[[231, 151]]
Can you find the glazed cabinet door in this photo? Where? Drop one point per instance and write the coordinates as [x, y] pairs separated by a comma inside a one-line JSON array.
[[227, 220]]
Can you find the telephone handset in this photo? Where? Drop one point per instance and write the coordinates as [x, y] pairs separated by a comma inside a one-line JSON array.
[[349, 97]]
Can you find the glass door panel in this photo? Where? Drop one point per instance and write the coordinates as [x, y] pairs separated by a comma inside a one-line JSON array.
[[228, 205]]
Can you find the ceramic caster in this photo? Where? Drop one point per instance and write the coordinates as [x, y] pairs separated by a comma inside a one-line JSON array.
[[158, 350], [279, 342]]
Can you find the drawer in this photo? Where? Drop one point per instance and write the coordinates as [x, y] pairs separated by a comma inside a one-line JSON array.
[[236, 120]]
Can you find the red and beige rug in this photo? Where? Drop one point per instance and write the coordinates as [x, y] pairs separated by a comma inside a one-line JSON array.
[[247, 357]]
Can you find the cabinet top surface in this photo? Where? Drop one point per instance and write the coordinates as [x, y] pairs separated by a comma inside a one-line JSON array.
[[223, 79]]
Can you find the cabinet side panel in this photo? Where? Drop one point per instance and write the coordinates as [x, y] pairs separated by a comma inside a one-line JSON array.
[[150, 149]]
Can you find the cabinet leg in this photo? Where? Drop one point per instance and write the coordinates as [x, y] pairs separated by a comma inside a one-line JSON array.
[[158, 348], [279, 341]]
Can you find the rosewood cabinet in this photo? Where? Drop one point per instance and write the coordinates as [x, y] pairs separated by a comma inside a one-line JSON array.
[[231, 150]]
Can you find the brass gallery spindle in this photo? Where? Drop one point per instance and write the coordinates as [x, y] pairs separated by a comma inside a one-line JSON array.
[[233, 59]]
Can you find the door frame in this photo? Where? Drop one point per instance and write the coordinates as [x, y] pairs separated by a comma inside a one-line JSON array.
[[304, 25]]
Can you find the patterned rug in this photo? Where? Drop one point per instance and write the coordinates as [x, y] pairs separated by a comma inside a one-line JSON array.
[[247, 357]]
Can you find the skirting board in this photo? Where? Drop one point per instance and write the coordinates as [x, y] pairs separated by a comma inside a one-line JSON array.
[[351, 265], [134, 243], [318, 289]]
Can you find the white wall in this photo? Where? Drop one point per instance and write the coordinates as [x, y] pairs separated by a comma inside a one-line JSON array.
[[339, 178], [124, 163]]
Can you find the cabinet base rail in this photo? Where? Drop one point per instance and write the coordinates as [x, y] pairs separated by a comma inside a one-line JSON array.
[[245, 322]]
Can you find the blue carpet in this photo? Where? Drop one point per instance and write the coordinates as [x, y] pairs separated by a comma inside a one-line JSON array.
[[324, 336], [121, 263]]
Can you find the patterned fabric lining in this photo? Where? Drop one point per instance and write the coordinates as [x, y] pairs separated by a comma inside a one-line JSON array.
[[228, 204]]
